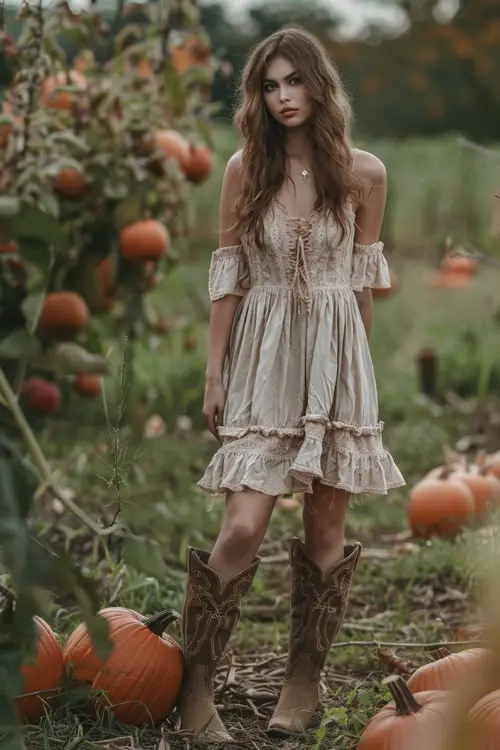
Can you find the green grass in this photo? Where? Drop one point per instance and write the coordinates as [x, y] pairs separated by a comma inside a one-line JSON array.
[[406, 594], [436, 187]]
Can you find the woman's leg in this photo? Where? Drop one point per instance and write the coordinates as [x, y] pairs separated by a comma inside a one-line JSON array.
[[243, 528], [322, 569], [217, 582], [324, 518]]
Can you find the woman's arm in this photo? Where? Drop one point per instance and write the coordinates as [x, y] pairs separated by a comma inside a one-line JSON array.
[[369, 218], [224, 309]]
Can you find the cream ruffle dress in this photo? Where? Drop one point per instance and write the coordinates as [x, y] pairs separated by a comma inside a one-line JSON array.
[[301, 395]]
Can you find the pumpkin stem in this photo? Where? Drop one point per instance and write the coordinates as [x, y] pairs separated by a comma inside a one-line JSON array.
[[160, 622], [402, 696], [439, 653]]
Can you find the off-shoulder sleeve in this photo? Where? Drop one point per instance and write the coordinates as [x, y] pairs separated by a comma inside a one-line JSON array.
[[369, 267], [228, 273]]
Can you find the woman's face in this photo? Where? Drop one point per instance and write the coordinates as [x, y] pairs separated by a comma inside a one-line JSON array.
[[285, 95]]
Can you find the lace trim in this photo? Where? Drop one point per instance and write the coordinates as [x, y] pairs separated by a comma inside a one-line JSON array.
[[229, 251], [369, 268], [228, 273], [298, 432], [335, 425], [269, 465], [239, 432], [376, 247]]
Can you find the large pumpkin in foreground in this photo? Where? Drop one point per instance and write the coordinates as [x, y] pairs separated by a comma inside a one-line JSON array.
[[485, 719], [79, 656], [443, 674], [141, 679], [409, 722], [44, 677]]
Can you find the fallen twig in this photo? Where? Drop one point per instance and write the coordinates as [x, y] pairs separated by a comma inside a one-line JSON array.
[[395, 644]]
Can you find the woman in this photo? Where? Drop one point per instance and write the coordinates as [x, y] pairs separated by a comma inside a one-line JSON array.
[[290, 387]]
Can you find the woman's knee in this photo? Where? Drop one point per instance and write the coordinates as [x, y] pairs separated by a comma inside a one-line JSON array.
[[325, 513], [246, 521]]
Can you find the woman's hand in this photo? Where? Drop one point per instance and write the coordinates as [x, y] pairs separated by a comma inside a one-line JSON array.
[[213, 405]]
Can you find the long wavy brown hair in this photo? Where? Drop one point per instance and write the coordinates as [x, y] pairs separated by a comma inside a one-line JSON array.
[[264, 143]]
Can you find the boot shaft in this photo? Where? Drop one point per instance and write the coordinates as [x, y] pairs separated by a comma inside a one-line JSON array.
[[211, 610], [318, 605]]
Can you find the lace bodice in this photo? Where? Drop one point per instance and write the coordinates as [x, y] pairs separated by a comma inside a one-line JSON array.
[[301, 256]]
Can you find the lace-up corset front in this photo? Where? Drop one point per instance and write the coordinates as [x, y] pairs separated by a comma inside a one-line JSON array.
[[301, 255]]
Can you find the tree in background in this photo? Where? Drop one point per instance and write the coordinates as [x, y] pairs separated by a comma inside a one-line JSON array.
[[433, 78]]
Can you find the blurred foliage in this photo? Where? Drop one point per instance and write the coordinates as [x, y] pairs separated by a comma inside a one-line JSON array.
[[433, 77], [97, 156]]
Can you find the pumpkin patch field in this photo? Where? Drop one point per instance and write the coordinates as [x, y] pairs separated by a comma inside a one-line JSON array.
[[110, 179], [416, 661]]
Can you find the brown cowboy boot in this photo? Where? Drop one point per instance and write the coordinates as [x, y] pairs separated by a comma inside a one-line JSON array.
[[209, 616], [318, 604]]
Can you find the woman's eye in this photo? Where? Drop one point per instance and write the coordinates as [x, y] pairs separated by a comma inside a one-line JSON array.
[[268, 86], [295, 81]]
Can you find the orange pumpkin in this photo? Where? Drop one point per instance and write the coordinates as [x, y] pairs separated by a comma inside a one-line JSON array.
[[78, 653], [460, 265], [199, 164], [172, 145], [443, 674], [5, 133], [41, 395], [448, 279], [44, 677], [144, 69], [485, 490], [7, 129], [409, 722], [55, 98], [63, 314], [141, 679], [8, 248], [485, 718], [106, 285], [439, 506], [144, 240], [88, 385], [195, 51], [70, 183]]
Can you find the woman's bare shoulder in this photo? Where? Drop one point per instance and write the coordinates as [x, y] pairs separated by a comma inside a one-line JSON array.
[[369, 168], [235, 162]]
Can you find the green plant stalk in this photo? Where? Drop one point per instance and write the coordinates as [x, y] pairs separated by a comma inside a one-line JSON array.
[[40, 461], [485, 371]]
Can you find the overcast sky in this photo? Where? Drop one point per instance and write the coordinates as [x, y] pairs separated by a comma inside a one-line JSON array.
[[356, 13]]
